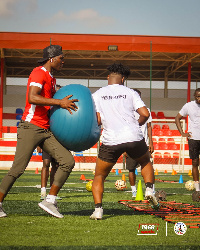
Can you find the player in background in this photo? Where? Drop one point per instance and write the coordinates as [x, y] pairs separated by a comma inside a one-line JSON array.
[[131, 164], [192, 109]]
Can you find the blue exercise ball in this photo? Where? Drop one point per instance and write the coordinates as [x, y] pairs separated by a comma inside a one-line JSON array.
[[79, 131]]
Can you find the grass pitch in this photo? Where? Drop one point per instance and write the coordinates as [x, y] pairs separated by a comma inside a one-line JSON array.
[[29, 227]]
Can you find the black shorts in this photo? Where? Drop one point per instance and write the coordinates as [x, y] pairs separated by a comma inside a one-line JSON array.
[[194, 148], [132, 164], [112, 153], [46, 156]]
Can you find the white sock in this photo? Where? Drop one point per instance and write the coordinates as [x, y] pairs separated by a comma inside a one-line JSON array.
[[196, 185], [149, 189], [154, 188], [133, 188], [43, 189], [0, 204], [51, 198]]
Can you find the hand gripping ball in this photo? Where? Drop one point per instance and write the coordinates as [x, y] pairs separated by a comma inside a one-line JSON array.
[[79, 131]]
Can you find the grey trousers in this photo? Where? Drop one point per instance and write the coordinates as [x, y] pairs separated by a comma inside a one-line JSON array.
[[29, 136]]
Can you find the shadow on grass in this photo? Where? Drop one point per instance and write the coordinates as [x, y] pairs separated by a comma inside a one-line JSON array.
[[31, 208]]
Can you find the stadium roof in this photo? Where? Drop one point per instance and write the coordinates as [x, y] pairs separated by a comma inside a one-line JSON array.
[[87, 56]]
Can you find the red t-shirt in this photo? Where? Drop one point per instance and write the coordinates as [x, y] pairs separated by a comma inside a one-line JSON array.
[[36, 114]]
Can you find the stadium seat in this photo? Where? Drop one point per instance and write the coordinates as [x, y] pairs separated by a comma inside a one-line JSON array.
[[170, 140], [161, 140], [163, 146], [166, 155], [175, 155], [160, 115], [167, 132], [19, 111], [156, 146], [173, 147], [18, 117], [175, 133], [165, 126], [153, 115], [158, 132], [157, 155], [156, 126], [154, 140]]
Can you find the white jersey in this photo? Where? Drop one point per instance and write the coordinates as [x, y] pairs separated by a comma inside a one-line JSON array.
[[144, 126], [192, 109], [116, 105]]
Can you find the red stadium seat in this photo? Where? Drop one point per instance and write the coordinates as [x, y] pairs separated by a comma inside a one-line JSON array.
[[175, 155], [161, 140], [154, 140], [160, 115], [165, 126], [173, 147], [170, 140], [167, 132], [156, 126], [163, 146], [157, 132], [175, 133], [157, 155], [156, 146], [166, 155], [153, 115]]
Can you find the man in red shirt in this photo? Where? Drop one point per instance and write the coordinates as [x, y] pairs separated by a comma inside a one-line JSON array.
[[33, 130]]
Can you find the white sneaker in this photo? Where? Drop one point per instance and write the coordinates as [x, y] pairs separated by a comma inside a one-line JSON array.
[[151, 198], [50, 208], [2, 213], [97, 214], [134, 193]]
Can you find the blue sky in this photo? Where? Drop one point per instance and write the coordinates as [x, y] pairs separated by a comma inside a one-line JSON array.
[[128, 17]]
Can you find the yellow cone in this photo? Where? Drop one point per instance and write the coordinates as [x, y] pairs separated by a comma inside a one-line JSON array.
[[190, 172], [156, 172], [139, 195]]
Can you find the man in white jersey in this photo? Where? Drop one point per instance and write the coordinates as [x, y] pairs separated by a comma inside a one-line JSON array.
[[192, 109], [115, 106], [132, 164]]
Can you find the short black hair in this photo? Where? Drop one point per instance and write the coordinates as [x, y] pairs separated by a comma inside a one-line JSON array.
[[119, 69]]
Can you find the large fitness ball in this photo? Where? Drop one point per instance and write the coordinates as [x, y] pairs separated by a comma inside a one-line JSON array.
[[79, 131]]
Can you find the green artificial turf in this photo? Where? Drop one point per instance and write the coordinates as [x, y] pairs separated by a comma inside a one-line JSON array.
[[29, 227]]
